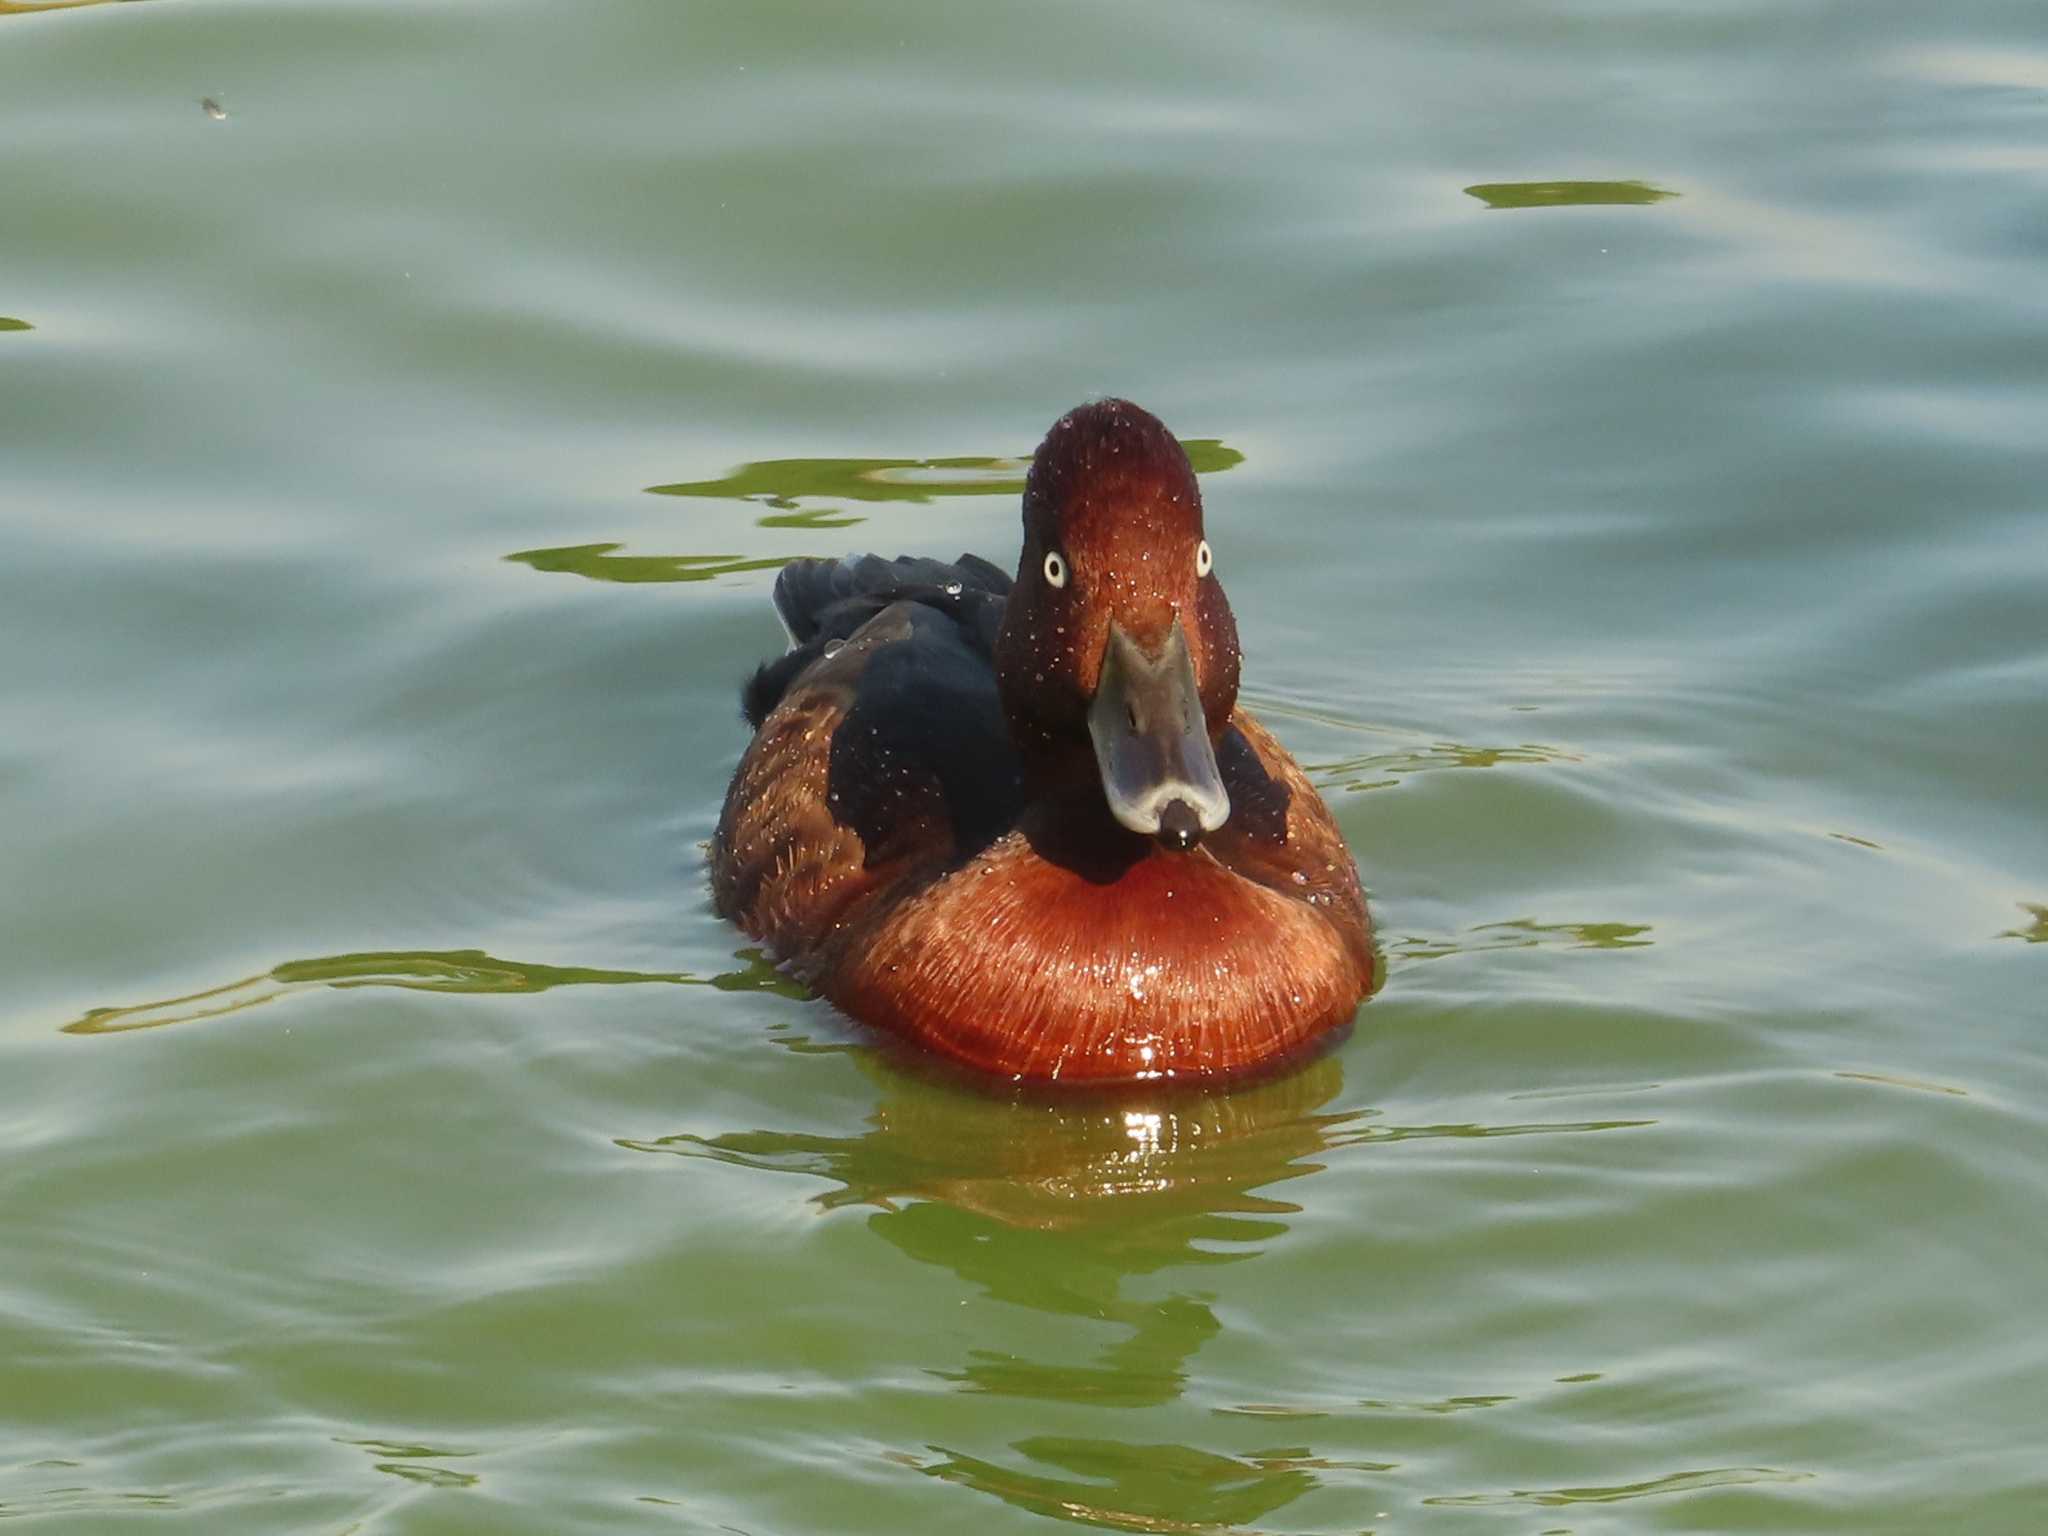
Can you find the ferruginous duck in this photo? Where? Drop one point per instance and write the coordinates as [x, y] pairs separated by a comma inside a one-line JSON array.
[[1024, 824]]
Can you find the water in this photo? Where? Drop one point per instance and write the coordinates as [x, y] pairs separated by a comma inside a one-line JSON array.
[[1623, 433]]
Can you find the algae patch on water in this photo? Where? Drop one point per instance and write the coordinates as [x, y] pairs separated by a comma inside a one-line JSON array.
[[1567, 194]]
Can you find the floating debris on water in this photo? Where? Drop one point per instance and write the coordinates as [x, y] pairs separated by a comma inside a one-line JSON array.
[[213, 109]]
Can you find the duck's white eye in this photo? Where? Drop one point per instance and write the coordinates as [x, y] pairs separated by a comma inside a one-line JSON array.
[[1055, 569], [1205, 559]]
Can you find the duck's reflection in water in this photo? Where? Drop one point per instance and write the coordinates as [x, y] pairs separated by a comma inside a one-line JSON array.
[[1059, 1206], [1056, 1206]]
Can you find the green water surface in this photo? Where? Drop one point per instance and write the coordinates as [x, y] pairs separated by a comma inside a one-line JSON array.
[[1625, 430]]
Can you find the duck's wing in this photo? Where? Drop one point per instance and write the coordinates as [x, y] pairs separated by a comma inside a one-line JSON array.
[[822, 601], [884, 759]]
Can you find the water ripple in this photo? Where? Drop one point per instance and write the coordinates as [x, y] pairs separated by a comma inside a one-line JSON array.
[[1656, 1487], [1129, 1487], [419, 970]]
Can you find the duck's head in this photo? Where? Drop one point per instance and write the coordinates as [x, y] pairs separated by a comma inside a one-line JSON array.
[[1117, 642]]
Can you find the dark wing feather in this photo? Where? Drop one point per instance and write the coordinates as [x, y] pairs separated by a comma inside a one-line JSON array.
[[820, 601], [923, 739], [809, 592]]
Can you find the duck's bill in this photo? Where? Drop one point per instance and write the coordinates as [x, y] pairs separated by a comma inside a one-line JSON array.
[[1152, 746]]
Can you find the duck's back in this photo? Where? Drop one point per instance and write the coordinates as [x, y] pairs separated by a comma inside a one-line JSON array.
[[823, 603], [880, 756]]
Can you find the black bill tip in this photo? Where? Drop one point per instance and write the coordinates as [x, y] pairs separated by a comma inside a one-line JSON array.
[[1179, 827]]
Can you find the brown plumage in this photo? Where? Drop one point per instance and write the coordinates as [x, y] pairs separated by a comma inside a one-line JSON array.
[[993, 819]]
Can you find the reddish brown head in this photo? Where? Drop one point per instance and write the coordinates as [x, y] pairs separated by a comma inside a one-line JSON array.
[[1117, 643]]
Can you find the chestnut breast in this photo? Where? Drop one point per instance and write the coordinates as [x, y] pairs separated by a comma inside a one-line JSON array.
[[1099, 960]]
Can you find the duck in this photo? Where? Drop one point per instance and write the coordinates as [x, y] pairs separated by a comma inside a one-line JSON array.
[[1024, 823]]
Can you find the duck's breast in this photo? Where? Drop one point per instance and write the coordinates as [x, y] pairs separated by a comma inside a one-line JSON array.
[[1036, 960]]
